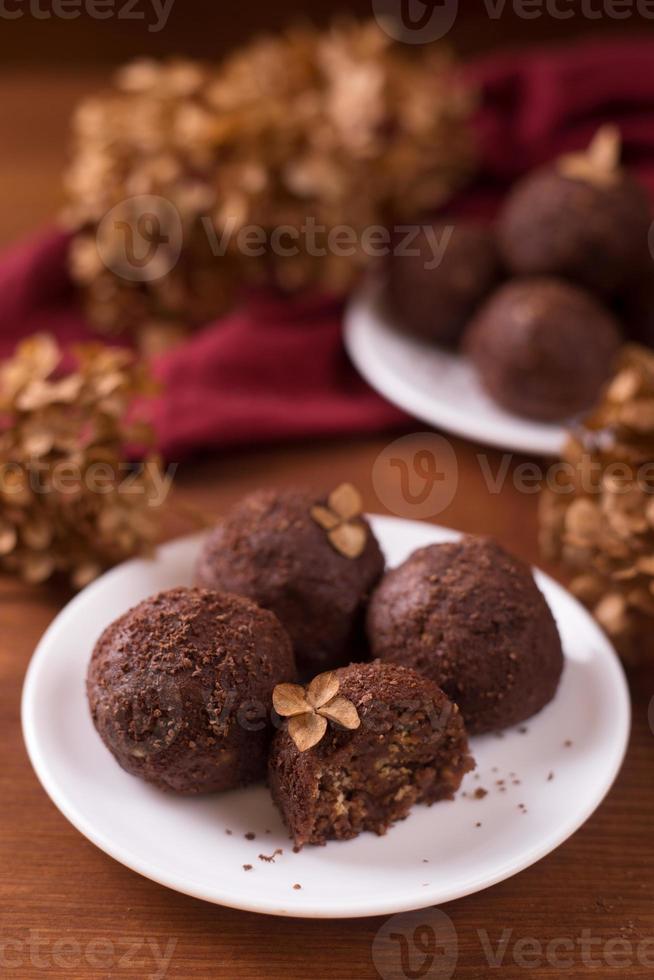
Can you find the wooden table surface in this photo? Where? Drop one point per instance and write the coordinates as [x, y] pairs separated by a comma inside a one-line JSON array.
[[66, 909]]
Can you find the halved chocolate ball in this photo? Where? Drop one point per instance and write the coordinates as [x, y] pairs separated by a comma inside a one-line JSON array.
[[180, 689], [433, 294], [313, 560], [543, 348], [410, 747], [470, 617]]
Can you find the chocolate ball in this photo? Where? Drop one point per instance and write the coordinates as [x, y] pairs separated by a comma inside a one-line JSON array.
[[543, 348], [470, 617], [431, 296], [271, 548], [180, 689], [410, 747], [586, 222]]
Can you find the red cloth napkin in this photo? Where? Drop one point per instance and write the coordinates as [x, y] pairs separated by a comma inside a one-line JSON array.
[[277, 369]]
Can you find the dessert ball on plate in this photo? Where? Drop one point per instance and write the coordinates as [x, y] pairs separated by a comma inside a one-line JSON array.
[[361, 745], [180, 689], [583, 218], [543, 348], [432, 295], [312, 560], [470, 617]]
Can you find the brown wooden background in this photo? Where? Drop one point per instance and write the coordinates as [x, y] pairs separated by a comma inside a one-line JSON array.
[[55, 887]]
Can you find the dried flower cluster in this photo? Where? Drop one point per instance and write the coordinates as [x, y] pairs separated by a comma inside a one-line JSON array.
[[309, 710], [332, 128], [341, 520], [69, 500], [602, 523]]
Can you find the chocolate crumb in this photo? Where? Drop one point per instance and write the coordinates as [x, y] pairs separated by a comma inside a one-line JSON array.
[[550, 777], [247, 867], [227, 831], [523, 729], [567, 744], [270, 858], [477, 824], [480, 793], [297, 887], [250, 836]]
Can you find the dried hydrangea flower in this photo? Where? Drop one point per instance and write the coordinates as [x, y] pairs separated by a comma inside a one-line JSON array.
[[70, 501], [341, 520], [604, 529], [336, 127], [309, 710]]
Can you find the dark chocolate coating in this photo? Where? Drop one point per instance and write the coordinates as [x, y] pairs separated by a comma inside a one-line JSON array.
[[588, 233], [411, 747], [543, 348], [470, 617], [180, 689], [269, 548], [436, 303]]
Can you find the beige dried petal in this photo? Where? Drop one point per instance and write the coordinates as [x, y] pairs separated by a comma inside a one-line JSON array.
[[290, 700], [85, 574], [342, 711], [324, 517], [349, 539], [600, 163], [638, 415], [611, 613], [588, 588], [36, 534], [646, 565], [624, 386], [8, 538], [583, 520], [307, 730], [322, 689], [36, 568], [345, 501]]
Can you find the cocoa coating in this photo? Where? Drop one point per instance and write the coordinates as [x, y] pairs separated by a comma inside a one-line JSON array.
[[435, 303], [543, 348], [269, 548], [411, 747], [180, 689], [470, 617], [588, 233]]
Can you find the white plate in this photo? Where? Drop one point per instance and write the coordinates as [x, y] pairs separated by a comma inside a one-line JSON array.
[[435, 385], [182, 842]]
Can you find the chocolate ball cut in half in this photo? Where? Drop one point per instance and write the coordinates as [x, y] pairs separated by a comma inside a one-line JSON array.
[[435, 282], [543, 348], [583, 218], [312, 559], [180, 689], [362, 745], [470, 617]]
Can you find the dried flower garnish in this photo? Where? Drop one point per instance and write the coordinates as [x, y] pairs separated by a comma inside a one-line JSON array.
[[309, 710], [600, 163], [337, 126], [69, 499], [602, 526], [341, 518]]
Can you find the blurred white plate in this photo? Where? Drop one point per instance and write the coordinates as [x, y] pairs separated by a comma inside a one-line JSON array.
[[435, 385], [438, 854]]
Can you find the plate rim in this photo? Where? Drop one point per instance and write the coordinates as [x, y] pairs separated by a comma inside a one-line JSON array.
[[313, 910], [360, 311]]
